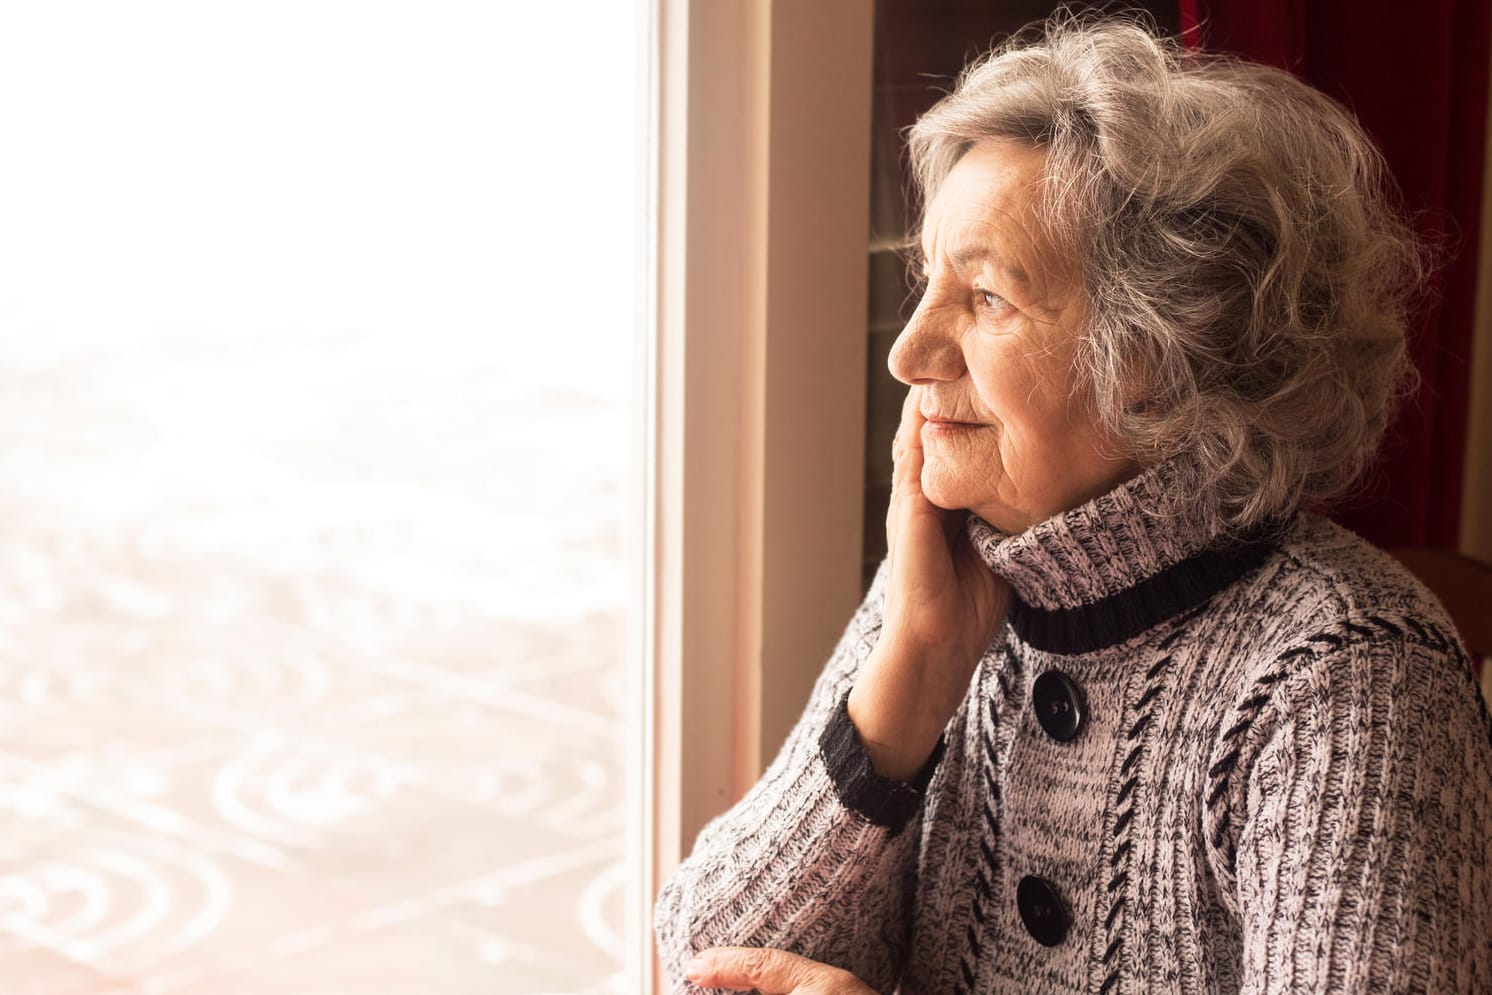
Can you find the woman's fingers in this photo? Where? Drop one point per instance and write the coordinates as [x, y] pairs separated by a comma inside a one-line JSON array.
[[906, 448], [772, 972], [906, 460]]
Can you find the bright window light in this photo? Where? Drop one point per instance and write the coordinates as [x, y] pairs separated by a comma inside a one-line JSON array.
[[316, 331]]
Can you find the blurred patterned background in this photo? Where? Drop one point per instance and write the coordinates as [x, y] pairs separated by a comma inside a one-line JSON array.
[[293, 699]]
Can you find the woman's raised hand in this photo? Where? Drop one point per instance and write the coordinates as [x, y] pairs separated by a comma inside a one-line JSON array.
[[942, 606]]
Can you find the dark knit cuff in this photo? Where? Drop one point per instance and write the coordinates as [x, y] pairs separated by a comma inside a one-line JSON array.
[[884, 801]]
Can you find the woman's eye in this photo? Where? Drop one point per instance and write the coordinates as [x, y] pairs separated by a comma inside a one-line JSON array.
[[990, 301]]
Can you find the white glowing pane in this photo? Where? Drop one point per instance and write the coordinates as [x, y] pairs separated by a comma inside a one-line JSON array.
[[461, 169], [316, 323]]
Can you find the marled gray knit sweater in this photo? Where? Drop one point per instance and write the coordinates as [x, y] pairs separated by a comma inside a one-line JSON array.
[[1276, 777]]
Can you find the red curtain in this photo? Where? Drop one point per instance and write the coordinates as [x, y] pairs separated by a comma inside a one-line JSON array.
[[1416, 75]]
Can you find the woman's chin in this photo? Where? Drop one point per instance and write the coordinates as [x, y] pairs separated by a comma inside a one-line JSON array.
[[948, 498], [956, 495], [935, 490]]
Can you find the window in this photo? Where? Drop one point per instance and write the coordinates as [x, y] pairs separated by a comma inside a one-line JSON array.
[[315, 328], [313, 619], [758, 400]]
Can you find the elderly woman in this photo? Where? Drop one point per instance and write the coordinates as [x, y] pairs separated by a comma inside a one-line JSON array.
[[1119, 714]]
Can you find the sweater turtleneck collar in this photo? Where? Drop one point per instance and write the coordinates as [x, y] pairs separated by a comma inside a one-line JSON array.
[[1109, 569]]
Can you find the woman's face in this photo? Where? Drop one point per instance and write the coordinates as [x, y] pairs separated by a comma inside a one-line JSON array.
[[990, 349]]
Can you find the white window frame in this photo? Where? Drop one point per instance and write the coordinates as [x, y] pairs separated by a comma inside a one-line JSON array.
[[752, 430]]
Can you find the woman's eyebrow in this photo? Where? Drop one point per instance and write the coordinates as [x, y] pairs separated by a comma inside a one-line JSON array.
[[965, 257]]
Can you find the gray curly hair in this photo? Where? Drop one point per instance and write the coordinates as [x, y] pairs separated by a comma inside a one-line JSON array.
[[1249, 274]]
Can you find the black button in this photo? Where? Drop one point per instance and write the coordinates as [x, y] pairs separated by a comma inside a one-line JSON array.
[[1042, 910], [1058, 704]]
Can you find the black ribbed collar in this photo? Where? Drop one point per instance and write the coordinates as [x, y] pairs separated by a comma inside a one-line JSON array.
[[1122, 563]]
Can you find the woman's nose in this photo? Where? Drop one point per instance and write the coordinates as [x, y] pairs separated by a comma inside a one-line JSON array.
[[925, 351]]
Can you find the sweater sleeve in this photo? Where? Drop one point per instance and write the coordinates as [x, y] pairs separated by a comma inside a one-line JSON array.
[[819, 857], [1360, 837]]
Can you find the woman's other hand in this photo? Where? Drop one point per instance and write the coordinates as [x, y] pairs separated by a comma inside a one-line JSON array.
[[772, 972], [942, 606]]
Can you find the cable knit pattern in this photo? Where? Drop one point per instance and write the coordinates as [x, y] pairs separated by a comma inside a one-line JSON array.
[[1281, 782]]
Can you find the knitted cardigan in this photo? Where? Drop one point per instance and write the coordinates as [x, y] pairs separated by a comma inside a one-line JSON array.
[[1280, 781]]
